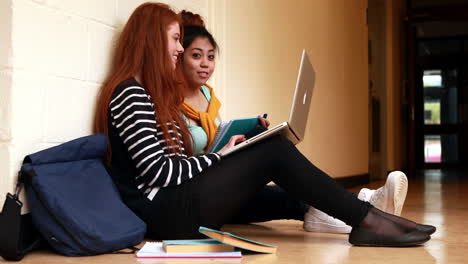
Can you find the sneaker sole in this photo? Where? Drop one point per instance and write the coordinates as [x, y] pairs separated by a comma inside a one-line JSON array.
[[399, 186], [324, 228]]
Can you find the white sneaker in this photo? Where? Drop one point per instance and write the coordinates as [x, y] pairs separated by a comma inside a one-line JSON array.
[[389, 198], [318, 221]]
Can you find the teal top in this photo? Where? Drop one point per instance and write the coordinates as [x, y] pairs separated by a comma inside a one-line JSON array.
[[199, 136]]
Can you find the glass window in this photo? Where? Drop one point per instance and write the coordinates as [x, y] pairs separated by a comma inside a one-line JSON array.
[[435, 3], [432, 78], [441, 148], [464, 81], [438, 29], [432, 149], [438, 47], [440, 97], [432, 112]]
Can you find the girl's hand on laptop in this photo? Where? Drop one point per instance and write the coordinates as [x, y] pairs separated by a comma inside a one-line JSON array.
[[263, 121], [232, 142]]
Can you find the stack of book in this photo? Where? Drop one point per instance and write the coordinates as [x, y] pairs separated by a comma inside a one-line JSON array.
[[219, 245]]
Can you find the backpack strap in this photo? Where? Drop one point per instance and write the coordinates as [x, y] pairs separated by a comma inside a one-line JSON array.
[[17, 231]]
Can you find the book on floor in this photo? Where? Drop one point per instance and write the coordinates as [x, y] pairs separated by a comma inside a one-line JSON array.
[[195, 245], [204, 248], [237, 241], [227, 129], [155, 250]]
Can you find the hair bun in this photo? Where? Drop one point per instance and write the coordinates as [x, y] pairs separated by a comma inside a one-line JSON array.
[[191, 19]]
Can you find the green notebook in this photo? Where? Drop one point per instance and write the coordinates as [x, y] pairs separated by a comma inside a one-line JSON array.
[[237, 241], [230, 128]]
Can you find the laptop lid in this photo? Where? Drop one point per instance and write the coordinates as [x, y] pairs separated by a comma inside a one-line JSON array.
[[294, 130], [302, 97]]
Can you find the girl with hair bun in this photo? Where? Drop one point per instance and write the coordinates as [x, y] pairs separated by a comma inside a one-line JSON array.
[[190, 19], [271, 202], [173, 188]]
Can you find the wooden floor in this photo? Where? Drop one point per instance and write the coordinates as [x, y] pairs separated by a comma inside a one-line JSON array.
[[439, 198]]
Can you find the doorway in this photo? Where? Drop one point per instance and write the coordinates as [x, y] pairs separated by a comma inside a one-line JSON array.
[[438, 74], [439, 104]]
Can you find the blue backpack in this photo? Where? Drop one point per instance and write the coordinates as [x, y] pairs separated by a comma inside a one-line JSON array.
[[74, 203]]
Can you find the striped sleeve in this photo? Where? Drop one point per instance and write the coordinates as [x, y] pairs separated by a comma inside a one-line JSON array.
[[133, 116]]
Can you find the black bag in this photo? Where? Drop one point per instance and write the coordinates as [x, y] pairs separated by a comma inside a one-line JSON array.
[[17, 233]]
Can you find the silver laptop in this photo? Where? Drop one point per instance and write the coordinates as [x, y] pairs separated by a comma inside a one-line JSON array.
[[294, 129]]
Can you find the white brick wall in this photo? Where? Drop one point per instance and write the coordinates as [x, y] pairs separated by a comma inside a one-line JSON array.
[[5, 110], [74, 119], [5, 98], [5, 171], [101, 41], [5, 33], [54, 55]]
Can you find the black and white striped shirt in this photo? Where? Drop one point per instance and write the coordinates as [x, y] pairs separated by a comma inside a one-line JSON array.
[[133, 117]]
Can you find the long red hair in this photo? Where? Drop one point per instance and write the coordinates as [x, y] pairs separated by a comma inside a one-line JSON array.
[[142, 49]]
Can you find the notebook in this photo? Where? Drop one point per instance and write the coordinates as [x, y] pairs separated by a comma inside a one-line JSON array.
[[237, 241], [227, 129], [155, 250], [293, 129]]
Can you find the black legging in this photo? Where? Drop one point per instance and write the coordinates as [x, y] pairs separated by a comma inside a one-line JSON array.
[[270, 203], [215, 196]]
